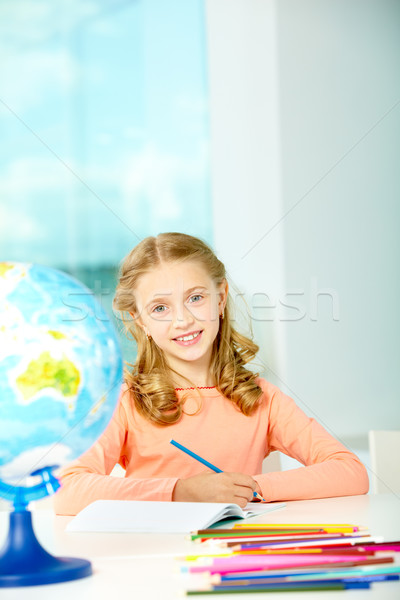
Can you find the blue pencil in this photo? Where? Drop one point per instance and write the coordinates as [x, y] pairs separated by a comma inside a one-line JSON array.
[[326, 578], [205, 462]]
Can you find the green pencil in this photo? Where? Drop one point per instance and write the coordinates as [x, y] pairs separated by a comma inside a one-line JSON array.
[[271, 589]]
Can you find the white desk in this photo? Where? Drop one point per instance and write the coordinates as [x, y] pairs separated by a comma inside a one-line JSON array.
[[143, 567]]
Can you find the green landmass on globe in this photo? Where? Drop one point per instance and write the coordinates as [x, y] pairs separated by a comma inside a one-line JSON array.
[[60, 373], [57, 335], [48, 372], [4, 267]]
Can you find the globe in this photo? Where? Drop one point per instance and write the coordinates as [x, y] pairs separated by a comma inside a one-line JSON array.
[[60, 369], [60, 378]]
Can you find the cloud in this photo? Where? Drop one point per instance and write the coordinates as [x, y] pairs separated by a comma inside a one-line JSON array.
[[12, 219], [30, 78], [25, 23], [157, 176], [150, 188]]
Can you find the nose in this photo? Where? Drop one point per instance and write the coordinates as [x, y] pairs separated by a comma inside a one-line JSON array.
[[182, 317]]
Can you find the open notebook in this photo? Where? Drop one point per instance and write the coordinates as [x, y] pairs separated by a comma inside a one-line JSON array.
[[162, 517]]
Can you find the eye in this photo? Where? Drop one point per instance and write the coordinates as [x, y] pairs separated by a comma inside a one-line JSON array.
[[195, 298], [159, 309]]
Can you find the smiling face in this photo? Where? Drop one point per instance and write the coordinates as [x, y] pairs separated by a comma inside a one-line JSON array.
[[179, 305]]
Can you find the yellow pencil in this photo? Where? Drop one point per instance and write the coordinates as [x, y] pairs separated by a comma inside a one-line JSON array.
[[194, 557], [328, 527]]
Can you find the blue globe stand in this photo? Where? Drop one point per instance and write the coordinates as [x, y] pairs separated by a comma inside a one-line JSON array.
[[23, 561]]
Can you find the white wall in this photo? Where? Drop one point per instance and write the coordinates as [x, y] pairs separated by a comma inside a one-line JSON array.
[[245, 148], [305, 128]]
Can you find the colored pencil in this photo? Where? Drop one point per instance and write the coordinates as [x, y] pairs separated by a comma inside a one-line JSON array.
[[291, 543], [260, 581], [263, 531], [242, 563], [313, 571], [328, 527], [287, 585], [206, 463], [229, 533], [327, 575], [310, 587], [348, 549], [266, 551], [264, 558]]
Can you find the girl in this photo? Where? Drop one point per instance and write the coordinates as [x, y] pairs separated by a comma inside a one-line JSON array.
[[190, 383]]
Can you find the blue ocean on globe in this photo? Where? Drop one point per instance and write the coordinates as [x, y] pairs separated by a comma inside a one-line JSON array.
[[60, 369]]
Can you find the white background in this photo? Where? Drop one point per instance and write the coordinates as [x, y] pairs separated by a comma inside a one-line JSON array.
[[305, 124]]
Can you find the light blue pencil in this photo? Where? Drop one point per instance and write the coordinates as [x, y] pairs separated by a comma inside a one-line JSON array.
[[205, 462]]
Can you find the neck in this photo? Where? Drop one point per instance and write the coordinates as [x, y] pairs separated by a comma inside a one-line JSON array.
[[192, 374], [188, 380]]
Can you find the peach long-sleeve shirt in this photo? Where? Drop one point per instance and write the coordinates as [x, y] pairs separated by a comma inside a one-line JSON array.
[[214, 428]]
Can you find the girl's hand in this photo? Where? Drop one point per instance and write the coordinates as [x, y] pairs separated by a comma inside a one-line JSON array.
[[216, 487], [259, 491]]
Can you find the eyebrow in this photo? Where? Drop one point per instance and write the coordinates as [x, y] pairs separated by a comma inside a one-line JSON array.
[[160, 298]]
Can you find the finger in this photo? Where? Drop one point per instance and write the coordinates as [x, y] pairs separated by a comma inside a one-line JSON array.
[[242, 502], [244, 492], [258, 489], [244, 480]]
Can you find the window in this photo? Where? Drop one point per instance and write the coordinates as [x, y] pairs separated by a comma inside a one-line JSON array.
[[105, 134]]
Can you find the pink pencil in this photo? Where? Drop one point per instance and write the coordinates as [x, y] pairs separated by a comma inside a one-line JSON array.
[[257, 563]]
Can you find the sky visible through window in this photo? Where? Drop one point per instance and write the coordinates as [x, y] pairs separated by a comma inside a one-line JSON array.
[[104, 131]]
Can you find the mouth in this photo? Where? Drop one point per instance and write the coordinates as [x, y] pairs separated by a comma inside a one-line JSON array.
[[188, 339]]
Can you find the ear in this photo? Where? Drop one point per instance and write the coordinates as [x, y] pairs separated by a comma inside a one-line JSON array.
[[135, 317], [223, 295], [140, 324]]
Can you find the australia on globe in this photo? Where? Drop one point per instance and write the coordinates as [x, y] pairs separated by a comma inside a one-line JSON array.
[[60, 369]]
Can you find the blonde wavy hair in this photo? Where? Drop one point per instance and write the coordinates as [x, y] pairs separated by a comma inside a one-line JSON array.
[[150, 377]]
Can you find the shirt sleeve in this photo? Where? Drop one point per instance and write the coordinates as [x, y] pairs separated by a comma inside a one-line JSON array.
[[330, 468], [88, 478]]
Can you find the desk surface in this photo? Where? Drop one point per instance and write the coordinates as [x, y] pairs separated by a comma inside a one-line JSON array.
[[143, 566]]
